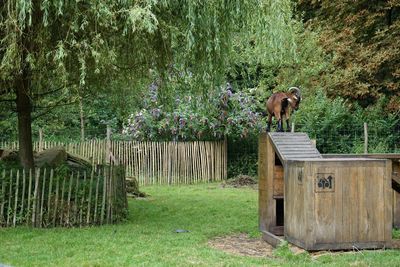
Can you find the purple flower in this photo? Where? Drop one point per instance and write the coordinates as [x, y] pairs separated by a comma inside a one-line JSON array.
[[182, 122], [156, 112], [176, 117], [153, 86]]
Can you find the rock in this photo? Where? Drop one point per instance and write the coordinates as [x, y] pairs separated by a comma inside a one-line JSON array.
[[57, 156], [132, 187]]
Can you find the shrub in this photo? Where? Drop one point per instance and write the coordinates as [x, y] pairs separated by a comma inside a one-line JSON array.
[[221, 114]]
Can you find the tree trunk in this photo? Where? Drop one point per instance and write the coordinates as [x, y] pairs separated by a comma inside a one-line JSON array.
[[23, 88], [24, 109]]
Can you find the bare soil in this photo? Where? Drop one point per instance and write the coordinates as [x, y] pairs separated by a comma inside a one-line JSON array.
[[241, 181], [243, 245]]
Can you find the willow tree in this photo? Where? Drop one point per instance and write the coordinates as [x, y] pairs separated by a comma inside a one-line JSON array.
[[58, 46]]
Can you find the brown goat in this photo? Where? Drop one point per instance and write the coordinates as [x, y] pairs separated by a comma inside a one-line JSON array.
[[280, 105]]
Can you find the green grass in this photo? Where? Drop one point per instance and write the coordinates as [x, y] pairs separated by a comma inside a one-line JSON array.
[[396, 233], [148, 238]]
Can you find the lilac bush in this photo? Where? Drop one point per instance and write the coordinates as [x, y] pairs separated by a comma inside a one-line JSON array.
[[221, 114]]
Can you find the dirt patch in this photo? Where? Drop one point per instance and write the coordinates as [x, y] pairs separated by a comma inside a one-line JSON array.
[[243, 245], [241, 181], [396, 243]]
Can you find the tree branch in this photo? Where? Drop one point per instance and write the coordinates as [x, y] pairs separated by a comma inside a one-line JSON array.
[[8, 100], [48, 108], [52, 91]]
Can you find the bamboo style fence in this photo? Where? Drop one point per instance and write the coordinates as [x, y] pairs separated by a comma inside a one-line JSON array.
[[50, 198], [153, 162]]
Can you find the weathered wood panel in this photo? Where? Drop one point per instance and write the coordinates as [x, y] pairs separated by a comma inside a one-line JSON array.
[[395, 158], [296, 207], [396, 195], [331, 203], [353, 209], [278, 183], [266, 162], [293, 146]]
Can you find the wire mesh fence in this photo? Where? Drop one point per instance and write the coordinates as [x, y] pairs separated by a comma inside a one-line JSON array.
[[243, 153]]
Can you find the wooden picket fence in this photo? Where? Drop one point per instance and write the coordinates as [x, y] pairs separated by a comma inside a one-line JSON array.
[[50, 198], [153, 162]]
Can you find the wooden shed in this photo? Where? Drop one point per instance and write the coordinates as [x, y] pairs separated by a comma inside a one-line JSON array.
[[322, 203]]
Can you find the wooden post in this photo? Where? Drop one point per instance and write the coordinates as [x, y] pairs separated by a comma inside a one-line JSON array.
[[36, 203], [41, 202], [62, 200], [9, 198], [40, 140], [90, 196], [365, 138], [314, 141], [82, 199], [49, 197], [69, 199], [108, 147], [23, 194], [3, 198], [97, 175], [103, 203], [29, 196], [16, 200], [55, 214], [292, 127]]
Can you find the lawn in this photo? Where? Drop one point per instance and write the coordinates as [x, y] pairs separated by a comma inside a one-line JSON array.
[[148, 236]]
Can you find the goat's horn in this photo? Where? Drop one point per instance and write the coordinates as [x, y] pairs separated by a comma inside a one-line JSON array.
[[295, 91]]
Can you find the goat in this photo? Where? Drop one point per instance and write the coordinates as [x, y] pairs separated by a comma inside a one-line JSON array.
[[280, 105]]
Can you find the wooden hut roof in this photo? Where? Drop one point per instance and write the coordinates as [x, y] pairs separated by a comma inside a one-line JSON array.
[[294, 146]]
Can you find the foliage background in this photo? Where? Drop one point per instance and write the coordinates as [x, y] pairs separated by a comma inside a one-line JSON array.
[[203, 70]]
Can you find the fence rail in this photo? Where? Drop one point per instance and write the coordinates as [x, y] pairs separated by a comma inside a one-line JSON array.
[[153, 162], [49, 198]]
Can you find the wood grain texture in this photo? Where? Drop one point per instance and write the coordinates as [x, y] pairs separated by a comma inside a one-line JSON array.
[[329, 203], [358, 211], [293, 146], [267, 203]]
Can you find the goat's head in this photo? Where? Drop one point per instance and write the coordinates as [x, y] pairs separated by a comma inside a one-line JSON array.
[[294, 97]]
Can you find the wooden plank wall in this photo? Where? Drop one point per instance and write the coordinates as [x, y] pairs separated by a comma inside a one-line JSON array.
[[266, 167], [155, 162], [357, 211], [395, 158], [396, 195], [297, 209]]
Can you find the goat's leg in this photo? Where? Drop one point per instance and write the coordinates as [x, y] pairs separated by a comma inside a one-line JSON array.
[[269, 122], [278, 117], [280, 128], [288, 129]]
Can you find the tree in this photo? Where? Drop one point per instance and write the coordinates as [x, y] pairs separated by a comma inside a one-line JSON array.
[[362, 39], [50, 46]]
